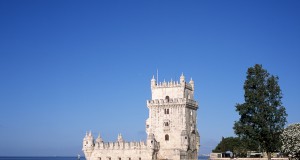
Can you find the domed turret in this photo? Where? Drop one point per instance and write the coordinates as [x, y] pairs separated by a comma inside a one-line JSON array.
[[120, 138], [99, 139], [192, 83], [88, 145], [153, 81], [182, 79]]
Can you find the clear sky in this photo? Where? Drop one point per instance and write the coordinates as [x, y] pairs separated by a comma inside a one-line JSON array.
[[71, 66]]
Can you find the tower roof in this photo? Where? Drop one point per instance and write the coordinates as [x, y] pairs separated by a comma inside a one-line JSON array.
[[191, 81]]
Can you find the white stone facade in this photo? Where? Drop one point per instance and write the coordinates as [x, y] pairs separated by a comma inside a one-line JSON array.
[[171, 128]]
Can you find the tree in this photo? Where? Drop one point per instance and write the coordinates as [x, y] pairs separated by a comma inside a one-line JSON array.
[[262, 115], [290, 139], [237, 146]]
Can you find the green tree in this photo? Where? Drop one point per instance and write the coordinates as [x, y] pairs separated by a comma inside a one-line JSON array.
[[262, 115], [290, 139], [237, 146]]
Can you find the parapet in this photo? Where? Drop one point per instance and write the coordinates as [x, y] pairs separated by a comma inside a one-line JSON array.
[[172, 101], [172, 84], [120, 145]]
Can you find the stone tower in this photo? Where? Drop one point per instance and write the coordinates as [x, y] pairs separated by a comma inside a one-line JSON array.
[[171, 128], [172, 119], [88, 144]]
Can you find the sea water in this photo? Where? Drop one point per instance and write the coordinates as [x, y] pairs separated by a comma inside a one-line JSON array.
[[41, 158], [61, 158]]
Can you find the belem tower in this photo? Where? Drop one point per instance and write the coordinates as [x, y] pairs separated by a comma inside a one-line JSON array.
[[171, 128]]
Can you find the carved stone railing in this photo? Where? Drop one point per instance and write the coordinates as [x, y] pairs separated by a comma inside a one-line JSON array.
[[120, 145], [172, 101], [173, 84]]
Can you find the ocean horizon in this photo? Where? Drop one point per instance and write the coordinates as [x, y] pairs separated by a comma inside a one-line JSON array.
[[40, 158], [58, 158]]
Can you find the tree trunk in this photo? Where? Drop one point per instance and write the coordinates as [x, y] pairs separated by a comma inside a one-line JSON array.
[[269, 155]]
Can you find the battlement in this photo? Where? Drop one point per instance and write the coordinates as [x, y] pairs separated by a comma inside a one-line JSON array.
[[171, 101], [172, 83], [120, 145], [171, 128], [172, 89]]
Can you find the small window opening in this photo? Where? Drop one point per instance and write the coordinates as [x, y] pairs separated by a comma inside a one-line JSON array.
[[166, 111], [185, 137], [167, 137], [147, 126], [166, 124], [167, 98]]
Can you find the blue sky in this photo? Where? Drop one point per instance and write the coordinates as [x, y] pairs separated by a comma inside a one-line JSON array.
[[71, 66]]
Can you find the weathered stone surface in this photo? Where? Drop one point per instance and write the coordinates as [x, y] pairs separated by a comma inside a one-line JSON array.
[[171, 128]]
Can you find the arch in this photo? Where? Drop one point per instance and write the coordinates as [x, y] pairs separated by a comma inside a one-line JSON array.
[[166, 111], [166, 124], [167, 98], [166, 137]]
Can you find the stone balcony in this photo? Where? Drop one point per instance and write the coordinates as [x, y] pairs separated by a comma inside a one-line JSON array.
[[173, 101]]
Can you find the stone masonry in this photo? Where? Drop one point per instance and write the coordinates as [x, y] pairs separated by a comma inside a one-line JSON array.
[[171, 128]]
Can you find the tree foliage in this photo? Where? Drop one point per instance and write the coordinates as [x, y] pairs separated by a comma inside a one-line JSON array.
[[290, 139], [236, 145], [227, 144], [262, 115]]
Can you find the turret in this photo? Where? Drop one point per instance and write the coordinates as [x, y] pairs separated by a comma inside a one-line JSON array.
[[182, 79], [152, 143], [88, 145], [120, 138], [192, 83], [99, 139], [153, 82]]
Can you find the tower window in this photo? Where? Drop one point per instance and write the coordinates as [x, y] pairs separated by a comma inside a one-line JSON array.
[[167, 98], [166, 111], [166, 124], [167, 137]]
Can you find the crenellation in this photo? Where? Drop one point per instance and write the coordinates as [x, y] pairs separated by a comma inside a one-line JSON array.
[[120, 145], [172, 101], [171, 128]]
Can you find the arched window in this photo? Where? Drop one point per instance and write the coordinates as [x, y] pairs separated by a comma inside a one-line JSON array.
[[166, 111], [167, 98], [167, 124], [167, 137]]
